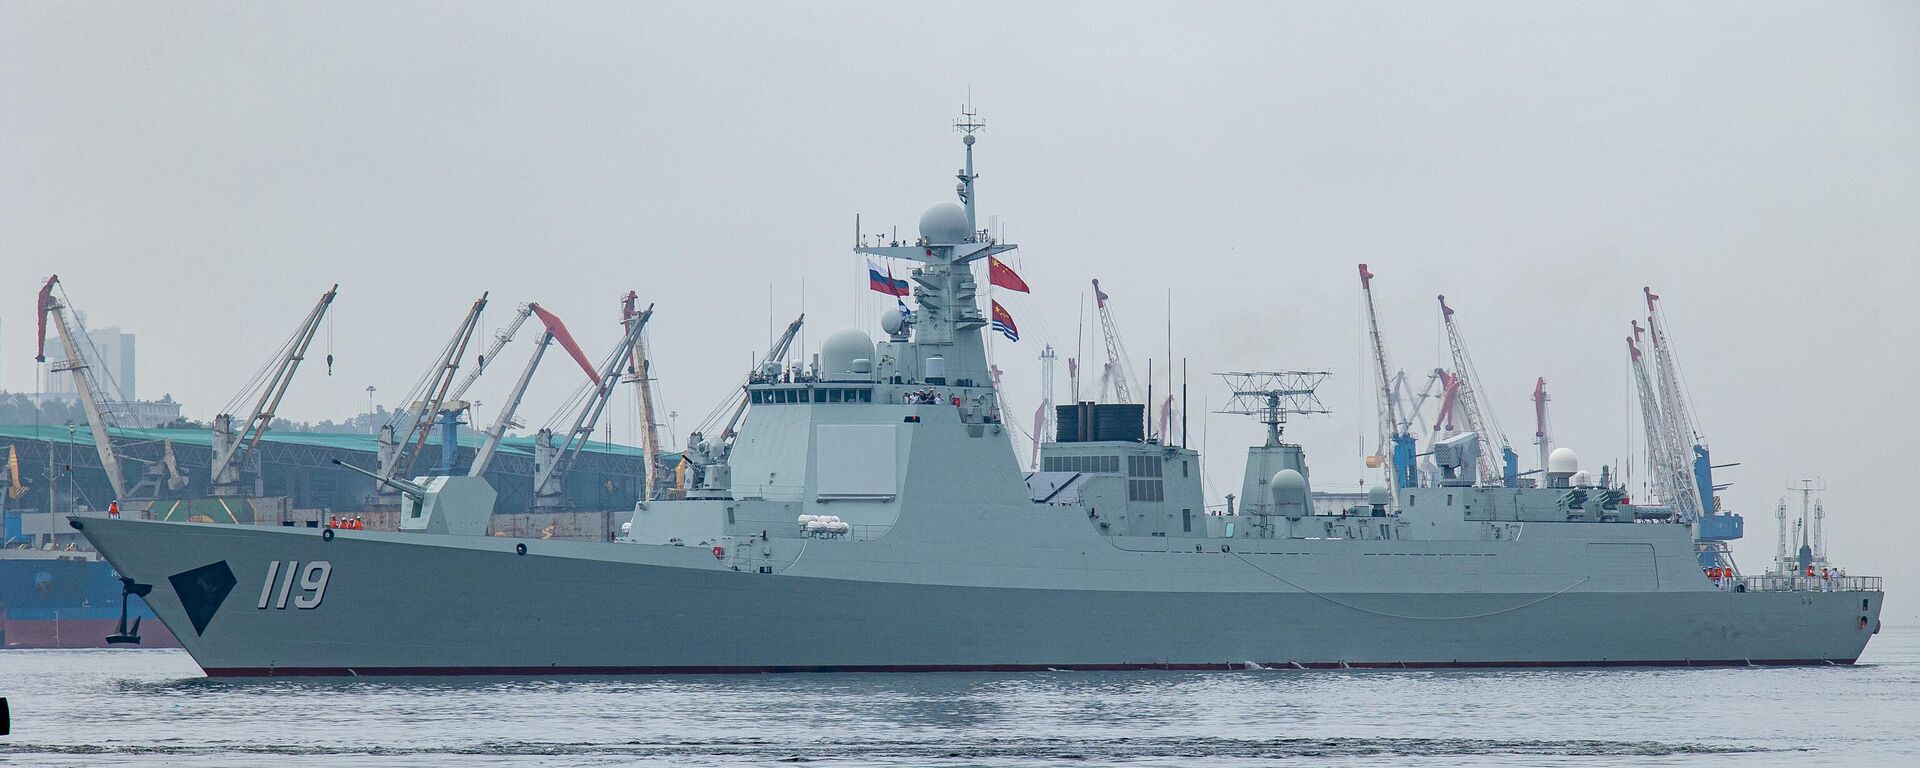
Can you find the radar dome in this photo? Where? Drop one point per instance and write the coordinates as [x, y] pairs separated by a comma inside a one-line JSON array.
[[944, 224], [1562, 462], [1379, 496], [840, 350], [1582, 479], [892, 321], [1288, 487]]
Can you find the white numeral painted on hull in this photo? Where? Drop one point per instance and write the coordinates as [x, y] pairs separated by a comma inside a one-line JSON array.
[[313, 584]]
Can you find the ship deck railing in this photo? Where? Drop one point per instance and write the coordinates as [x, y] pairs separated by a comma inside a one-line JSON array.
[[1777, 583]]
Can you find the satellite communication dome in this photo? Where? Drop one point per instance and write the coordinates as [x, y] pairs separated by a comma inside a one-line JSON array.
[[840, 350], [1288, 487], [1582, 480], [944, 224], [1379, 496], [1562, 462], [892, 321]]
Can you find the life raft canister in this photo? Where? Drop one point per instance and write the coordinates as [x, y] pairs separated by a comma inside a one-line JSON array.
[[719, 552]]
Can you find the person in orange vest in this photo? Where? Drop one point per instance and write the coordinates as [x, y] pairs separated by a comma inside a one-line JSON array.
[[333, 521], [113, 509], [358, 523]]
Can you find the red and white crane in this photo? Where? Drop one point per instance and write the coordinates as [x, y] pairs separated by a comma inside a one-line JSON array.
[[1464, 392], [1116, 375], [554, 331]]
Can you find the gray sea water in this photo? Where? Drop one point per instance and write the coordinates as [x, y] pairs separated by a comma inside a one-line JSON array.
[[152, 707]]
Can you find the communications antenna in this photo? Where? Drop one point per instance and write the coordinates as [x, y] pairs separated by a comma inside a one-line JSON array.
[[1270, 395]]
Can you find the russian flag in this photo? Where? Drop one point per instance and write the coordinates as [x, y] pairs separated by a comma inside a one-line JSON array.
[[884, 282]]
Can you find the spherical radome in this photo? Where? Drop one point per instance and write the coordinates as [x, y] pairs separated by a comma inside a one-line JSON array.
[[839, 351], [1379, 496], [892, 321], [944, 224], [1288, 487], [1563, 461]]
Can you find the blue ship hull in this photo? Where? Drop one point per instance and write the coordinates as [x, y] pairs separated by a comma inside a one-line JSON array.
[[71, 602]]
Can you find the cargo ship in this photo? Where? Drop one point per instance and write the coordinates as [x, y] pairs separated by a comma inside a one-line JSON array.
[[67, 599]]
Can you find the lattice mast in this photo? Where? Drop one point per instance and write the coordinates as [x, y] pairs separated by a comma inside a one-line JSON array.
[[1270, 396]]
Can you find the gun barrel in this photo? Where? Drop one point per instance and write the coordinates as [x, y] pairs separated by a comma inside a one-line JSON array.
[[410, 488]]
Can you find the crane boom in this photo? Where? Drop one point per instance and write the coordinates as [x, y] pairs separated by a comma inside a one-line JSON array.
[[1399, 459], [439, 382], [554, 331], [1687, 454], [548, 473], [1673, 488], [1116, 373], [640, 372], [778, 351], [229, 453], [91, 398], [1479, 419], [500, 341]]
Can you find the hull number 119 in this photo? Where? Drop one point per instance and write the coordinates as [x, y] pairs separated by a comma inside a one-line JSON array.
[[278, 585]]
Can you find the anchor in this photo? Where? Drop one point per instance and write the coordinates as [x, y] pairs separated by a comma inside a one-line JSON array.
[[126, 634]]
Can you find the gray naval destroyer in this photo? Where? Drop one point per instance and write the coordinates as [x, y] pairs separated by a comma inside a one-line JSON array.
[[869, 513]]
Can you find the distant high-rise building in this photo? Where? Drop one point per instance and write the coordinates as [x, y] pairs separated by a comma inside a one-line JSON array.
[[110, 353]]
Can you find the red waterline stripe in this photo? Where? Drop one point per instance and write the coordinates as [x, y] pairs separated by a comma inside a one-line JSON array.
[[778, 669]]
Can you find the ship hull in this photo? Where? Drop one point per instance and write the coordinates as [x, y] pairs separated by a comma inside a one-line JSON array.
[[417, 605], [67, 601]]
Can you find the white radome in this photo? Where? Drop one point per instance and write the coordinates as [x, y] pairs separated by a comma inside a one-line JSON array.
[[944, 224], [839, 351], [892, 321], [1563, 461], [1288, 487]]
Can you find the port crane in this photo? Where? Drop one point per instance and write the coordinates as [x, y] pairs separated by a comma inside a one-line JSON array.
[[554, 331], [234, 446], [397, 457], [1465, 391], [552, 460], [705, 460], [640, 372], [500, 341], [1401, 472], [1116, 376], [92, 397], [1680, 466]]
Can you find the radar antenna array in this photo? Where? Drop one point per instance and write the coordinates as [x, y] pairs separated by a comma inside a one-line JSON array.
[[1271, 395]]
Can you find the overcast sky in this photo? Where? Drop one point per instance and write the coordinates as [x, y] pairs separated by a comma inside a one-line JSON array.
[[199, 173]]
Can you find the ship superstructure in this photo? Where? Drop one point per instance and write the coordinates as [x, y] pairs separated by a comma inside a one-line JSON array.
[[869, 513]]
